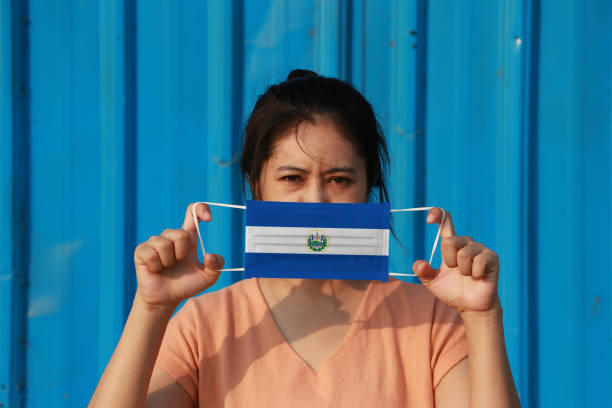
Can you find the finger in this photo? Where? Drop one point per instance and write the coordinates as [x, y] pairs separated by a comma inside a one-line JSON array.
[[436, 215], [424, 271], [165, 249], [214, 262], [148, 256], [483, 263], [465, 258], [211, 268], [184, 243], [449, 248], [202, 213]]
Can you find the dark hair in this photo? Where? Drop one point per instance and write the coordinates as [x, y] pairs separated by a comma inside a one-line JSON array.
[[305, 97]]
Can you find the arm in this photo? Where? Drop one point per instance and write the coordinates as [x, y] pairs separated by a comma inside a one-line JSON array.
[[168, 272], [126, 378], [491, 383], [467, 281], [486, 373], [165, 392]]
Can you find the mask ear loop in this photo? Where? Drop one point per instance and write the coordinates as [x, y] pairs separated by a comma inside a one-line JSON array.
[[243, 207], [195, 220], [435, 245]]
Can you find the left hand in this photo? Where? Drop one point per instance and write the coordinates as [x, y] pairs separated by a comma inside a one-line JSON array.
[[467, 279]]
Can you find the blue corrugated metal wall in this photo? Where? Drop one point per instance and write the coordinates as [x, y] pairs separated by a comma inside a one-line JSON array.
[[114, 115]]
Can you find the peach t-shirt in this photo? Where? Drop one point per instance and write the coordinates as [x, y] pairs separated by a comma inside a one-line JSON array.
[[225, 349]]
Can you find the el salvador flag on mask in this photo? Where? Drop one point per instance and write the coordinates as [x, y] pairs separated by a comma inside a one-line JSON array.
[[317, 240]]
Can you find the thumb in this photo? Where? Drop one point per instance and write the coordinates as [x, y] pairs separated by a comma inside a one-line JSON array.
[[213, 263], [424, 271]]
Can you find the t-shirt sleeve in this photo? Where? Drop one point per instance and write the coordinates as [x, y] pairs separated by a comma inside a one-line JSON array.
[[178, 356], [448, 341]]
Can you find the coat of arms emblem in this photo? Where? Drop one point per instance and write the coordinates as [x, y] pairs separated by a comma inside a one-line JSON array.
[[316, 241]]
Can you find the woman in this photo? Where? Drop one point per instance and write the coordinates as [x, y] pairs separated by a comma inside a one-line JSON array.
[[299, 342]]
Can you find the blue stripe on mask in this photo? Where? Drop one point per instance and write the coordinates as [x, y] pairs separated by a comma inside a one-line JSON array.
[[300, 266], [323, 215]]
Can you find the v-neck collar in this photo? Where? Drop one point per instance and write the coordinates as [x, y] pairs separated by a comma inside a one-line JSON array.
[[357, 320]]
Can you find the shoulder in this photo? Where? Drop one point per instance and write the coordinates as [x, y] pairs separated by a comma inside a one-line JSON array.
[[227, 303], [402, 293], [237, 294], [408, 303], [223, 312]]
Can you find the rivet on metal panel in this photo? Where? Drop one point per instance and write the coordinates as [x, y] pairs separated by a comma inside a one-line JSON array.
[[391, 43], [596, 305], [400, 131], [227, 163], [23, 341], [413, 32], [414, 46], [518, 41]]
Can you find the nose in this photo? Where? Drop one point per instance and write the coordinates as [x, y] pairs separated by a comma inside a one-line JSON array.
[[314, 192]]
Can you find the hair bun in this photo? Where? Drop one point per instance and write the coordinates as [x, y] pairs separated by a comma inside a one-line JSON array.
[[301, 73]]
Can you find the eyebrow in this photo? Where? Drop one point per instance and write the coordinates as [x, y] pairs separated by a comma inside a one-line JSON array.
[[328, 171]]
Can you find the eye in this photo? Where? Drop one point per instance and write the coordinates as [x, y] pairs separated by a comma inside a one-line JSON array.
[[293, 178], [339, 180]]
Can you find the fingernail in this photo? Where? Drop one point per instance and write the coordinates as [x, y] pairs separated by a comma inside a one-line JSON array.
[[430, 218]]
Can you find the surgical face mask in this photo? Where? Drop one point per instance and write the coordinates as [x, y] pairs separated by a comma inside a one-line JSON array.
[[317, 240]]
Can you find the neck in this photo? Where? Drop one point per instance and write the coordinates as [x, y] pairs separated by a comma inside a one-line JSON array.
[[314, 288], [313, 294], [313, 315]]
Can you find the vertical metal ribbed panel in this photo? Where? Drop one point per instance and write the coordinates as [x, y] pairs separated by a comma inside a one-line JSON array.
[[6, 211], [75, 299], [476, 153], [14, 201], [115, 115], [573, 206]]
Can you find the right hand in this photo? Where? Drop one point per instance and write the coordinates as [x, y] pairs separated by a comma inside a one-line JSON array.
[[167, 266]]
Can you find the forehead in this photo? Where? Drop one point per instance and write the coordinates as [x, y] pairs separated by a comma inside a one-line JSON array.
[[320, 142]]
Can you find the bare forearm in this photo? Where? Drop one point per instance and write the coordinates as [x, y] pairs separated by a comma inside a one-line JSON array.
[[125, 381], [491, 383]]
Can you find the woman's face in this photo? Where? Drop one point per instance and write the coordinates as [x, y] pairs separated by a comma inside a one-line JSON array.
[[323, 168]]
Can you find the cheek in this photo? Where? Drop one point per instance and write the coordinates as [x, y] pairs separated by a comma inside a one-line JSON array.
[[262, 183], [267, 192], [268, 189], [362, 191], [356, 192]]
